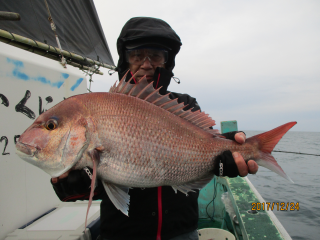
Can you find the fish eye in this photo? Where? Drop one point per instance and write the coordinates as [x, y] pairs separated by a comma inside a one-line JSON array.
[[51, 124]]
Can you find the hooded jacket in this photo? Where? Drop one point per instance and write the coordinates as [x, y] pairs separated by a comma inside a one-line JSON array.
[[146, 31], [154, 213]]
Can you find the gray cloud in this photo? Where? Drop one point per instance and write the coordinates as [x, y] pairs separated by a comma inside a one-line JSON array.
[[253, 61]]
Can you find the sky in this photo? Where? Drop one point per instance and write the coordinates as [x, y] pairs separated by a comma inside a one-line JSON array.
[[257, 62]]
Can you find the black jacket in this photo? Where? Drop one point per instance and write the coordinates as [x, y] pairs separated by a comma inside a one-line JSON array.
[[147, 30], [179, 215], [179, 212]]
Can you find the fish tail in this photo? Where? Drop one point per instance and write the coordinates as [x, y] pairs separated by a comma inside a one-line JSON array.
[[267, 141]]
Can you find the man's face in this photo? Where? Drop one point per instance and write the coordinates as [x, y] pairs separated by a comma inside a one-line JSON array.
[[150, 62]]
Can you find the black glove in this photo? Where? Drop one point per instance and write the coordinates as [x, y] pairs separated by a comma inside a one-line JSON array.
[[76, 186], [229, 167], [230, 135]]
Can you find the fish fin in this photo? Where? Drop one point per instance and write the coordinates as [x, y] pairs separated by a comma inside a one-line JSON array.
[[176, 108], [113, 87], [100, 148], [186, 114], [198, 184], [175, 189], [162, 99], [169, 104], [153, 95], [137, 88], [119, 196], [182, 188], [267, 141], [214, 132], [127, 87], [95, 160], [195, 114], [122, 82], [202, 117], [123, 86], [268, 161], [145, 91]]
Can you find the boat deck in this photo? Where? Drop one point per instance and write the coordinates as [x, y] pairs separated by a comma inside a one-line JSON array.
[[247, 224]]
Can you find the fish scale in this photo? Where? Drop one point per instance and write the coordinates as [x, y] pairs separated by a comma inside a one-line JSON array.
[[135, 137], [166, 138]]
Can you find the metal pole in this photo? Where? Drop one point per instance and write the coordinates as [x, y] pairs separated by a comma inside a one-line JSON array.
[[10, 38], [9, 16], [46, 54]]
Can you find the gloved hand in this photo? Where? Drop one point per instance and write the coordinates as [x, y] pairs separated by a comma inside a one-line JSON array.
[[230, 166], [231, 135], [76, 186]]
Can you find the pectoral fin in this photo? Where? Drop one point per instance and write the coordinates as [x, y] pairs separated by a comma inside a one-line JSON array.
[[119, 196], [198, 184], [95, 157]]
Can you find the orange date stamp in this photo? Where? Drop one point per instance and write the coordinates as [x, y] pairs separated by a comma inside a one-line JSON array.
[[277, 206]]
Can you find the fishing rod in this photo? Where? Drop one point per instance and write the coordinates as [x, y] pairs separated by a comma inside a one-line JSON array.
[[298, 153]]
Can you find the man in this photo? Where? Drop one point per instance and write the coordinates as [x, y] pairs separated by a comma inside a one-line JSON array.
[[148, 46]]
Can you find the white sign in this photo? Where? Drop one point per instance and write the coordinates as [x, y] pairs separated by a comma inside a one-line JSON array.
[[29, 85], [65, 218]]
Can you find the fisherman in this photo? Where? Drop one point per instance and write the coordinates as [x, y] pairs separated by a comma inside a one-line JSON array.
[[148, 46]]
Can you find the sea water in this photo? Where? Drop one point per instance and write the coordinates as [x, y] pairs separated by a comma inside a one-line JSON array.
[[304, 170]]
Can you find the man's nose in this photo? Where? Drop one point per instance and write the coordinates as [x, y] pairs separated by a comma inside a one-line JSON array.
[[146, 63]]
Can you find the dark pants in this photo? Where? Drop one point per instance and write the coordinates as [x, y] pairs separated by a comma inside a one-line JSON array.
[[187, 236]]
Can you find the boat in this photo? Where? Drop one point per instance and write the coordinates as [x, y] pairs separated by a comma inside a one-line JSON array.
[[248, 219], [47, 52]]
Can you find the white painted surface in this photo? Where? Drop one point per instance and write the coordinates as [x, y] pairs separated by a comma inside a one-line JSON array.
[[26, 191], [65, 218], [215, 234], [54, 232]]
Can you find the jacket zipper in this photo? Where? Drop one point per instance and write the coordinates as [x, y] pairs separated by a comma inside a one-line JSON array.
[[159, 213], [158, 81], [133, 78]]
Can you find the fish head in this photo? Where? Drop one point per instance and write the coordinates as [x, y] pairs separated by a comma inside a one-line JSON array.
[[56, 140]]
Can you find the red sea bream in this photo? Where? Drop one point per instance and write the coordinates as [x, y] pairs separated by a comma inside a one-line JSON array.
[[135, 137]]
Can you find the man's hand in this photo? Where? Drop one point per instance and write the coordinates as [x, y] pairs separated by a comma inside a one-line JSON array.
[[75, 185], [55, 180], [243, 168]]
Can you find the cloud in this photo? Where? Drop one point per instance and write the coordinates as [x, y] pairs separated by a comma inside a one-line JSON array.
[[254, 61]]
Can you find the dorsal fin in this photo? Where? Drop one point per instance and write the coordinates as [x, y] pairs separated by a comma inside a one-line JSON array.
[[113, 87], [145, 91]]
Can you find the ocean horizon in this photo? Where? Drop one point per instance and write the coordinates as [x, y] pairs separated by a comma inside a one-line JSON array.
[[304, 171]]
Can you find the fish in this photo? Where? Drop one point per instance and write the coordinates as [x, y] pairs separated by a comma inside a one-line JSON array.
[[134, 137]]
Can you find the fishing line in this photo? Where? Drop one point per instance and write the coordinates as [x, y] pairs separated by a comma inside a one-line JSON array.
[[298, 153], [212, 201]]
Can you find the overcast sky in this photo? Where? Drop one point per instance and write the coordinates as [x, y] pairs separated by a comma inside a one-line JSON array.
[[257, 62]]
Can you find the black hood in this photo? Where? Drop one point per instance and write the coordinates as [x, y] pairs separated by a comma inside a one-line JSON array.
[[145, 30]]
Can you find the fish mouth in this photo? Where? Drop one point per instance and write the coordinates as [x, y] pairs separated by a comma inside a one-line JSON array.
[[26, 149], [30, 154]]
